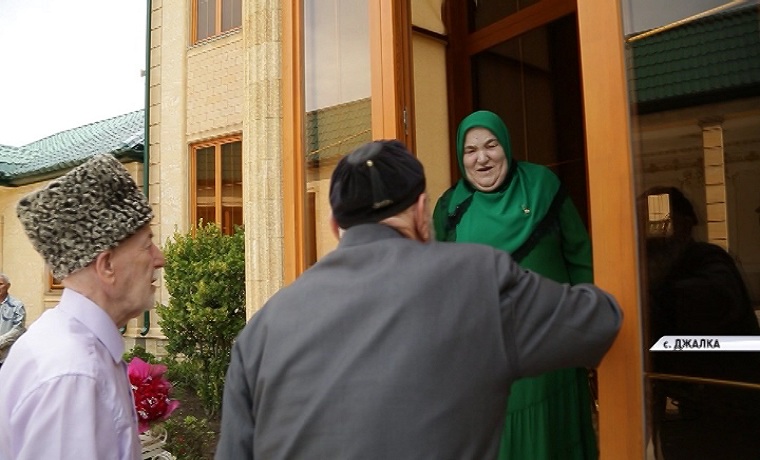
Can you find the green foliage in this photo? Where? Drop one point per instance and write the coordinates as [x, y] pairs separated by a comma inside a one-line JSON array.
[[188, 437], [205, 276], [141, 353], [183, 375], [179, 372]]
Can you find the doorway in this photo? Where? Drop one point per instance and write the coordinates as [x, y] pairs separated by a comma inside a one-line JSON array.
[[522, 63]]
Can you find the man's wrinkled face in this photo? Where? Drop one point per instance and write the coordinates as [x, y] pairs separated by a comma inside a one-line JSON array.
[[484, 160], [136, 261]]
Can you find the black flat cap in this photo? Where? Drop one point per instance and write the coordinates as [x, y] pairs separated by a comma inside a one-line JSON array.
[[376, 181]]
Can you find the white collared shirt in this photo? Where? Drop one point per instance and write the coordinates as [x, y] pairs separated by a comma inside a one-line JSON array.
[[64, 390]]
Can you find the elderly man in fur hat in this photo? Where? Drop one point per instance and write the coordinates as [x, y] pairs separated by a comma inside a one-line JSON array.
[[64, 390], [393, 346]]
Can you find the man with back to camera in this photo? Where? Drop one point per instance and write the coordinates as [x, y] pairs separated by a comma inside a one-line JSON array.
[[12, 318], [64, 390], [395, 346]]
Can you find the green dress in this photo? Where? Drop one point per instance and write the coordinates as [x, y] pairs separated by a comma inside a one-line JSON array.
[[530, 216]]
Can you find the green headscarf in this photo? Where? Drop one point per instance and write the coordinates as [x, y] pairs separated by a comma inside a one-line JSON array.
[[506, 217]]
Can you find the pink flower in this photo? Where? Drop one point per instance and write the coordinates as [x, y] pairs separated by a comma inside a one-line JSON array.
[[151, 391]]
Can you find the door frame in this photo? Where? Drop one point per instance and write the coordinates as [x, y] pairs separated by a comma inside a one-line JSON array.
[[613, 223], [612, 219], [608, 159]]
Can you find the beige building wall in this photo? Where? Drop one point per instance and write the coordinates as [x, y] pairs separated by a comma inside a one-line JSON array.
[[324, 240], [431, 96], [431, 114], [226, 85], [232, 84], [215, 78], [167, 138], [154, 172], [196, 93], [19, 260]]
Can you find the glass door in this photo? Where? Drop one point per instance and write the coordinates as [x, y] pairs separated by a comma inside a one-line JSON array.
[[694, 76], [345, 81], [337, 102]]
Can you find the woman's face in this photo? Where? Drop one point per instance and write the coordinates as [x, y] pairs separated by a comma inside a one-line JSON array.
[[485, 163]]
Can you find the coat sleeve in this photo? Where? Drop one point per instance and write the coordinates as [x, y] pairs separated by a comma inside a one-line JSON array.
[[237, 427], [18, 321], [548, 325], [7, 339], [576, 245]]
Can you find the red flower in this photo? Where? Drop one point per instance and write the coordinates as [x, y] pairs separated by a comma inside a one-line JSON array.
[[151, 391]]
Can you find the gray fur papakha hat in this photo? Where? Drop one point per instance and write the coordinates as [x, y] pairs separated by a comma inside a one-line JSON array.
[[90, 209]]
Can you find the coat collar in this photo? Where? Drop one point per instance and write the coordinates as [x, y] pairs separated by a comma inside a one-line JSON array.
[[367, 233]]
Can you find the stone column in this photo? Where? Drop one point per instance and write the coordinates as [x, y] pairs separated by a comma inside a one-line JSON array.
[[715, 182], [262, 152]]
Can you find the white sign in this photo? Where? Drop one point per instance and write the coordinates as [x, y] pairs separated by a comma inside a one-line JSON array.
[[707, 343]]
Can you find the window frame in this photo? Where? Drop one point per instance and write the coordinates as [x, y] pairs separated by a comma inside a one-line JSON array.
[[54, 285], [217, 144], [218, 4]]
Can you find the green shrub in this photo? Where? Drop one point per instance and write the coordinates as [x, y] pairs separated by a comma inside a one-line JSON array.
[[205, 276], [183, 374], [188, 438], [141, 353]]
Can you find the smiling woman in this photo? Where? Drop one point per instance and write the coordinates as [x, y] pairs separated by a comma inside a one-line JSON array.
[[485, 163], [521, 208]]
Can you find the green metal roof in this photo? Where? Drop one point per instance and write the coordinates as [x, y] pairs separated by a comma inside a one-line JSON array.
[[711, 59], [122, 136]]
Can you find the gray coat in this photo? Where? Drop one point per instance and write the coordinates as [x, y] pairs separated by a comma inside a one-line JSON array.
[[389, 348]]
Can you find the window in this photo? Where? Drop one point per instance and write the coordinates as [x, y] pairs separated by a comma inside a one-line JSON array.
[[659, 223], [331, 50], [54, 284], [213, 17], [217, 183]]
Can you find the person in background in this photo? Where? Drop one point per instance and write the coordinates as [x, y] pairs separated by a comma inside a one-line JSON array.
[[64, 390], [696, 289], [521, 208], [394, 346], [12, 318]]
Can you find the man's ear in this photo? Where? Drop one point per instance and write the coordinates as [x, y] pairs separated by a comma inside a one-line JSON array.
[[103, 265], [421, 217], [334, 227]]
